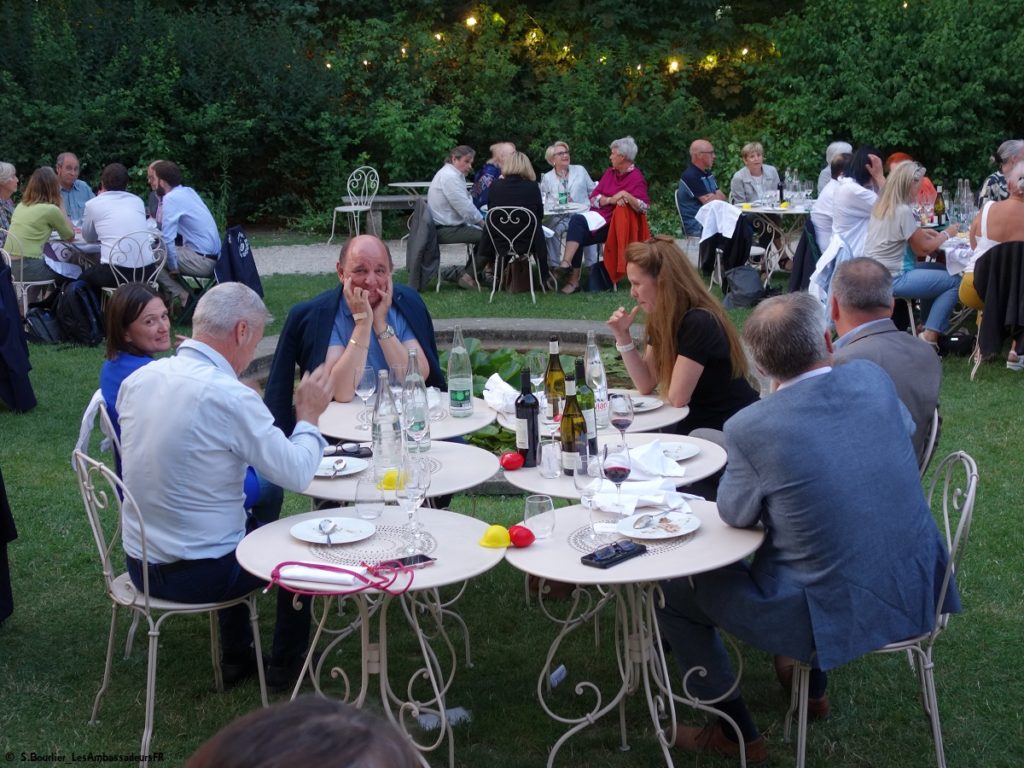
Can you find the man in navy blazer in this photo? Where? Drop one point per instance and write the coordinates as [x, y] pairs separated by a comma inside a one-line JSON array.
[[851, 559], [347, 318], [861, 309]]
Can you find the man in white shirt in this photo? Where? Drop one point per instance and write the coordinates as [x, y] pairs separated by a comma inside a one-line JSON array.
[[189, 430], [185, 217], [824, 206], [110, 216], [456, 218]]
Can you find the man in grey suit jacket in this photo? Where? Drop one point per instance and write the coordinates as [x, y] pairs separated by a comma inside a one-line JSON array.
[[861, 309], [851, 559]]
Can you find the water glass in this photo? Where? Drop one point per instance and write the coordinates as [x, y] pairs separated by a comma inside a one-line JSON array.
[[412, 486], [369, 499], [365, 387], [586, 476], [550, 457], [539, 515], [396, 380]]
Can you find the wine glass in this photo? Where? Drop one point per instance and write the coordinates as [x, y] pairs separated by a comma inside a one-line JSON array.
[[415, 417], [366, 386], [537, 362], [369, 497], [620, 412], [411, 490], [587, 479], [616, 466], [539, 515], [396, 380]]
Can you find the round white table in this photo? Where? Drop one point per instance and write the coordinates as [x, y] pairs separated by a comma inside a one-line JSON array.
[[663, 416], [411, 187], [632, 587], [565, 210], [452, 539], [454, 467], [711, 458], [351, 421]]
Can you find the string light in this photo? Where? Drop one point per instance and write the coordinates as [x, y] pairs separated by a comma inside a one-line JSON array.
[[744, 52], [328, 65], [438, 36], [673, 65], [471, 22]]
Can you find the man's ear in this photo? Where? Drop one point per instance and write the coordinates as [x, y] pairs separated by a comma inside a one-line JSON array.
[[828, 340], [833, 308]]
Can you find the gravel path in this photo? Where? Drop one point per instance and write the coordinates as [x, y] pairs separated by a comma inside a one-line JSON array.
[[319, 258]]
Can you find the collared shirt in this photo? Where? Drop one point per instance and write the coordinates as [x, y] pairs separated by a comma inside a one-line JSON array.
[[843, 340], [189, 429], [693, 185], [110, 216], [186, 214], [76, 198], [805, 375], [449, 200], [344, 325]]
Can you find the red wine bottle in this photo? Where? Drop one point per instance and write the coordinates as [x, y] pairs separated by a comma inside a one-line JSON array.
[[527, 421]]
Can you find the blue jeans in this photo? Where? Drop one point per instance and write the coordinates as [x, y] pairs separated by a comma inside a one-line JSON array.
[[933, 283]]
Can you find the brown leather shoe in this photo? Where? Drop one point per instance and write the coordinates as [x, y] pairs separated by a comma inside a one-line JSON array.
[[711, 740], [817, 709]]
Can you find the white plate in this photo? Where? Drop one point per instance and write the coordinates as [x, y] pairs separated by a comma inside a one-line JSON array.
[[683, 520], [680, 451], [347, 530], [351, 466], [644, 404]]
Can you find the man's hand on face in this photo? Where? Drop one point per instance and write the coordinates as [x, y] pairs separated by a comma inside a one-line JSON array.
[[380, 312], [358, 299], [312, 395]]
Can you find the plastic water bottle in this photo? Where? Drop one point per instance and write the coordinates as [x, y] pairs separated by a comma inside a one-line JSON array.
[[415, 406], [386, 435], [460, 378], [597, 380]]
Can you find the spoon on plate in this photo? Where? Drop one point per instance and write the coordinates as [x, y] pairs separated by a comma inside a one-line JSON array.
[[325, 527], [644, 521]]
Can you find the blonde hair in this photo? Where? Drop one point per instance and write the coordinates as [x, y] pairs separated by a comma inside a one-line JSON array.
[[518, 164], [680, 289], [549, 154], [898, 190], [750, 148], [42, 187]]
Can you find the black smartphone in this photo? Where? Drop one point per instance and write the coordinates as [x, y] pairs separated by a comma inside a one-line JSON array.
[[415, 561], [613, 554]]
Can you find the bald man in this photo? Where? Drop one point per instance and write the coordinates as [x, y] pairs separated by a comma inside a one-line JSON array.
[[697, 185]]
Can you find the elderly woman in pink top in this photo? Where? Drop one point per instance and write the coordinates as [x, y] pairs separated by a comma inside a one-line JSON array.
[[622, 184]]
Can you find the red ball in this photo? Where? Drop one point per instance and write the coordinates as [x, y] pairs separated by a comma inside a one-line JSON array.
[[521, 536], [511, 460]]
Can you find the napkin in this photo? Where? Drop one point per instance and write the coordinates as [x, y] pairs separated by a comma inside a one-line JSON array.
[[959, 255], [716, 217], [306, 573], [434, 398], [657, 494], [650, 462], [500, 395]]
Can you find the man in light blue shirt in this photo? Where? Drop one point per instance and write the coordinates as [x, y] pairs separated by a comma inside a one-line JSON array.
[[189, 430], [184, 217], [75, 192]]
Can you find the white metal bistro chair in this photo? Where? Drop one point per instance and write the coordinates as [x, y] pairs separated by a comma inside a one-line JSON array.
[[933, 440], [957, 477], [132, 254], [22, 288], [512, 230], [362, 186], [107, 503]]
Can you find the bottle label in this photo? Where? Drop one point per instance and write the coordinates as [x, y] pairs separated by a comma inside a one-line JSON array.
[[569, 459], [553, 347], [590, 417], [522, 434]]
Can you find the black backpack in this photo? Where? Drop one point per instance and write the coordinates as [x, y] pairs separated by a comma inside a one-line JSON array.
[[41, 326], [78, 314]]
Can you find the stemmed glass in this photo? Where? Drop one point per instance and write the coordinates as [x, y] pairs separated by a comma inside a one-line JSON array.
[[537, 362], [415, 418], [396, 380], [587, 479], [620, 411], [411, 490], [616, 466], [366, 386]]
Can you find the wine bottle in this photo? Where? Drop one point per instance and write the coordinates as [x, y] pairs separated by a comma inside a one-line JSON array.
[[585, 400], [527, 421], [573, 429], [597, 380], [386, 434], [460, 378], [782, 191], [414, 395], [940, 207], [554, 380]]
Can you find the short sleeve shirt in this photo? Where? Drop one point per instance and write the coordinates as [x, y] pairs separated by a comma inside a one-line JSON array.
[[344, 325], [887, 239], [718, 395]]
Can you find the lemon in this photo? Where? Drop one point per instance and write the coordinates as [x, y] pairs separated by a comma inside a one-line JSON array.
[[784, 205], [392, 480], [747, 206]]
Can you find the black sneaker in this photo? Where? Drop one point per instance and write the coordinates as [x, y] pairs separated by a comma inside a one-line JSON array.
[[235, 668]]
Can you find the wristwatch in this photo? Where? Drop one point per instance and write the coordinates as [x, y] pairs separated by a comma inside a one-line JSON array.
[[386, 334]]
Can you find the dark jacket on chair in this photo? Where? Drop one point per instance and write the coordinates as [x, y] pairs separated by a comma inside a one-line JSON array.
[[15, 387], [236, 264], [422, 253], [999, 281]]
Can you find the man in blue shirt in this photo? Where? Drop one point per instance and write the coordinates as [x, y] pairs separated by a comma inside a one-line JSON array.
[[697, 185], [76, 193], [190, 233]]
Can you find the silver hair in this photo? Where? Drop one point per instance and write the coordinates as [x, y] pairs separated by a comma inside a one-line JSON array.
[[626, 147], [222, 307], [786, 335], [837, 148], [7, 172], [1008, 150], [863, 284], [1015, 179], [64, 156]]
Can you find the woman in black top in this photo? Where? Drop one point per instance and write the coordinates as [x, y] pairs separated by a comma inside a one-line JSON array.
[[693, 353], [518, 186]]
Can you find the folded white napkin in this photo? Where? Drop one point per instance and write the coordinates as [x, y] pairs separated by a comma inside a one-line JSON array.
[[433, 397], [305, 573], [664, 501], [500, 395], [959, 255], [717, 216], [650, 462]]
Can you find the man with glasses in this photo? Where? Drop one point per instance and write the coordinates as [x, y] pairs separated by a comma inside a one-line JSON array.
[[697, 185], [76, 193]]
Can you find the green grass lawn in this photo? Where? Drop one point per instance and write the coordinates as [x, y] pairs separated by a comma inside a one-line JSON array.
[[51, 650]]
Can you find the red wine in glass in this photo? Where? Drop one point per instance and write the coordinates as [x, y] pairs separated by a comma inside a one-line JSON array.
[[617, 475], [620, 411]]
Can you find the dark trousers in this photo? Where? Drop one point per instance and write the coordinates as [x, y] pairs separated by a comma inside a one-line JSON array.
[[579, 232], [222, 578], [102, 275]]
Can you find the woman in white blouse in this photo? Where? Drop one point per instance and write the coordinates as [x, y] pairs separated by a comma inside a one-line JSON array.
[[573, 182], [858, 191]]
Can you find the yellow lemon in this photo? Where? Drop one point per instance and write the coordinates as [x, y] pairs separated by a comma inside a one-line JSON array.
[[784, 205], [747, 206], [392, 480]]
